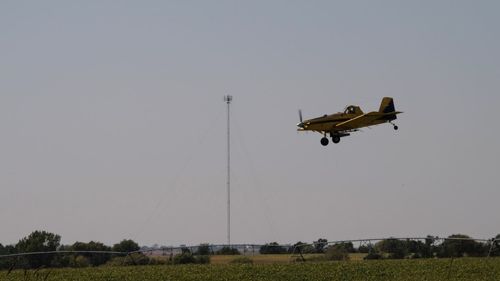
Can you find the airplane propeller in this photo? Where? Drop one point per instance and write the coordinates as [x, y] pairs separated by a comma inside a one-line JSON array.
[[301, 124]]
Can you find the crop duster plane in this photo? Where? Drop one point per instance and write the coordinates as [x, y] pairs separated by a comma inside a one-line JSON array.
[[342, 124]]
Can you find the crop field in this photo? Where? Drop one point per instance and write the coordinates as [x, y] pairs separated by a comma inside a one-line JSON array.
[[474, 269]]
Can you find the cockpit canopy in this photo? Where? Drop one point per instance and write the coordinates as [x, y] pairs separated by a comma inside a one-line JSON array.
[[352, 109]]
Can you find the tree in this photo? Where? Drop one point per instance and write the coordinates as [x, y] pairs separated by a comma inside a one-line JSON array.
[[459, 245], [302, 247], [228, 251], [414, 249], [94, 259], [320, 245], [428, 248], [396, 249], [346, 246], [272, 248], [373, 255], [185, 250], [39, 241], [203, 249], [126, 246], [6, 250], [495, 251], [365, 249]]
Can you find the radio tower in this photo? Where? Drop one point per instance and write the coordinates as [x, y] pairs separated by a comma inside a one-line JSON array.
[[228, 100]]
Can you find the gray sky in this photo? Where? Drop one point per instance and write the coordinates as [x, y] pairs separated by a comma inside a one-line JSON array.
[[113, 125]]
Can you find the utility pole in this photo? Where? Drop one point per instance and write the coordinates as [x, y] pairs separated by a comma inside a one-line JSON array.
[[228, 100]]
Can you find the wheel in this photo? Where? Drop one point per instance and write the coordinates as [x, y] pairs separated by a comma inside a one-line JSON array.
[[396, 127], [324, 141], [336, 139]]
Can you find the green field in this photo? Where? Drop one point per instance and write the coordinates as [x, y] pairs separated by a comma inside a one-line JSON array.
[[474, 269]]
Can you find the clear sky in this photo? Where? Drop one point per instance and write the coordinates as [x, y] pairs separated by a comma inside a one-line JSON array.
[[113, 124]]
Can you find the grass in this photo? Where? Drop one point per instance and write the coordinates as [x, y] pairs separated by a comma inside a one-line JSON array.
[[257, 259], [277, 259]]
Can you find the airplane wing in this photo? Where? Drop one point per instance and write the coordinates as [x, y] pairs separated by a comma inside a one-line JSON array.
[[357, 122]]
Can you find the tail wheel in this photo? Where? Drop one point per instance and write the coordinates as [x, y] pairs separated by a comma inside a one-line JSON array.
[[324, 141], [336, 139], [396, 127]]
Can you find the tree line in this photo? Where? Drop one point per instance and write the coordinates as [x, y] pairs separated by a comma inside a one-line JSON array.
[[43, 241], [51, 253], [456, 245]]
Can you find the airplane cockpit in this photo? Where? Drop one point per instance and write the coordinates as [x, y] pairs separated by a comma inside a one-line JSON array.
[[351, 109]]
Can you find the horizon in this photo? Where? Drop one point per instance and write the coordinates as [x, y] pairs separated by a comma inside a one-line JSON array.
[[113, 123]]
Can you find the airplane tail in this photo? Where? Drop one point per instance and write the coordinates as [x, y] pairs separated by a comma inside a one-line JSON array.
[[387, 106]]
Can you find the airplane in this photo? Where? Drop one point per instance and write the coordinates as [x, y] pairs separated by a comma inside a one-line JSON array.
[[342, 124]]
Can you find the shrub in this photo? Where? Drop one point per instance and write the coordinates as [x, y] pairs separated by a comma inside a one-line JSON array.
[[373, 255], [187, 258], [227, 251], [242, 260], [79, 261], [364, 249], [132, 259], [183, 258], [312, 258], [336, 254], [202, 259]]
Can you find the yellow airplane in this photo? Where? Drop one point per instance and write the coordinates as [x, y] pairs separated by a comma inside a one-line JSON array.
[[341, 124]]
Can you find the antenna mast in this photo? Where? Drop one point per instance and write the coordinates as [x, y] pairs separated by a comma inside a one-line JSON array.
[[228, 100]]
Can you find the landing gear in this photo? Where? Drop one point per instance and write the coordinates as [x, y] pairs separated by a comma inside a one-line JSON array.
[[324, 141], [335, 136], [394, 126]]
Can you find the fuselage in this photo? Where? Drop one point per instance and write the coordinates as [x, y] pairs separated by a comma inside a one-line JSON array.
[[352, 119], [327, 122]]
